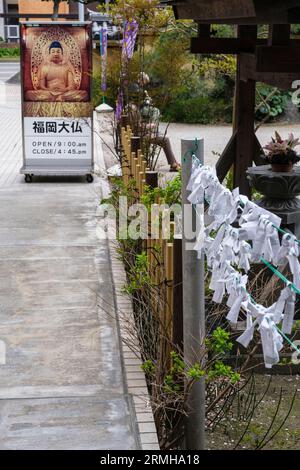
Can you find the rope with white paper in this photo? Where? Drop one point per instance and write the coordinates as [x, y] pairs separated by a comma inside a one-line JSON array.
[[231, 247]]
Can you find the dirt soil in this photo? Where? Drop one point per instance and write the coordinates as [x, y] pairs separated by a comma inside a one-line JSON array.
[[230, 431]]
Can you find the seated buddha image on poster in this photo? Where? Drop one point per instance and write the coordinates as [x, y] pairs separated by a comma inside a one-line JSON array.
[[56, 69], [56, 79]]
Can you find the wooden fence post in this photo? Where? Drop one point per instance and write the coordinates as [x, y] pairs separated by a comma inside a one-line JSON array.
[[135, 144], [152, 179], [124, 120]]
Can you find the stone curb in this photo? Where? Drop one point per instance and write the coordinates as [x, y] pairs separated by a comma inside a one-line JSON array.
[[134, 376]]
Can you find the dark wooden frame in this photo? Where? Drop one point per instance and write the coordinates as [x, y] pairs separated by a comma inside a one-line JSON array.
[[274, 61]]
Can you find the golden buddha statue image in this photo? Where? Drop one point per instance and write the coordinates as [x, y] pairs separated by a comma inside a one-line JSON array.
[[56, 79]]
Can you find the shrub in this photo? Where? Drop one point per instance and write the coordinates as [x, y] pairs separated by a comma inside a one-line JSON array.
[[9, 52], [198, 109], [275, 102]]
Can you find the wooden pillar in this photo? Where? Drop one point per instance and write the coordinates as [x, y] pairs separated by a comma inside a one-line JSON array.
[[279, 34], [204, 30], [244, 119]]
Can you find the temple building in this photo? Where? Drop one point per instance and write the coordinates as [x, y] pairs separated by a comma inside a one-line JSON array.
[[9, 30]]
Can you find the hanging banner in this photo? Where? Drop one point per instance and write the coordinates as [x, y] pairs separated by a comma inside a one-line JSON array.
[[129, 38], [128, 44], [56, 93], [103, 54]]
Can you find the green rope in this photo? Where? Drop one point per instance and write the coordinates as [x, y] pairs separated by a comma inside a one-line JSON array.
[[287, 339], [191, 153], [280, 275]]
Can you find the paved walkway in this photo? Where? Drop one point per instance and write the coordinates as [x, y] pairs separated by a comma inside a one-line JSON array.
[[216, 137], [8, 69], [11, 136], [62, 384]]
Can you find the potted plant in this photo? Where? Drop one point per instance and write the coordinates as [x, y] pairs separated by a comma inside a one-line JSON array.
[[281, 153]]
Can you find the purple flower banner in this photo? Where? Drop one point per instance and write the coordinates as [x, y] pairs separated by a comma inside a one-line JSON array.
[[129, 38], [103, 54]]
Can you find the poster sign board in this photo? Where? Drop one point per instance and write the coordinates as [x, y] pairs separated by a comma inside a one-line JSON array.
[[56, 63]]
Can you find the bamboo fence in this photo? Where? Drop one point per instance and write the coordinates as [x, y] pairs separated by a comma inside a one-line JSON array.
[[162, 259]]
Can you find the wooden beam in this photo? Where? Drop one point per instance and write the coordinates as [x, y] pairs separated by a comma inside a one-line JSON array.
[[254, 21], [221, 9], [258, 152], [229, 12], [279, 80], [225, 45], [293, 15], [230, 45], [226, 160], [277, 59], [244, 120], [245, 135]]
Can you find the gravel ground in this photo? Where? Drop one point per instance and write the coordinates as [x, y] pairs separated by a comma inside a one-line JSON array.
[[216, 137]]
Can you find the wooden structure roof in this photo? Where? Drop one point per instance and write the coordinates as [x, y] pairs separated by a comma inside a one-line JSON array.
[[237, 11], [274, 60]]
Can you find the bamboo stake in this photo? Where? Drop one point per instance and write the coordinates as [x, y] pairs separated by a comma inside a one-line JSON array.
[[143, 186], [132, 169], [137, 174], [135, 164], [149, 255], [143, 166], [141, 179], [140, 157], [126, 173], [123, 136]]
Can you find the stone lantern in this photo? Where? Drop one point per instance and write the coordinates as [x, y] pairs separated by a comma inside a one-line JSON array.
[[280, 192]]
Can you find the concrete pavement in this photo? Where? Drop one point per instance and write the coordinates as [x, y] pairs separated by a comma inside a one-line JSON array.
[[62, 384], [8, 70]]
